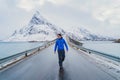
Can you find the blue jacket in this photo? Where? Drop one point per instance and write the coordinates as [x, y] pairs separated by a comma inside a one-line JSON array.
[[59, 45]]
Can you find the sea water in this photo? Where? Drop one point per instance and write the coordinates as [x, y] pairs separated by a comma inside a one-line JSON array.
[[107, 47], [11, 48]]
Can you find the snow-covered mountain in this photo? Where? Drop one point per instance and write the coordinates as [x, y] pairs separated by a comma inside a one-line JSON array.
[[38, 29], [84, 34]]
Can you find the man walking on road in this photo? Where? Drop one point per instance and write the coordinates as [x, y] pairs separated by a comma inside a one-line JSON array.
[[59, 46]]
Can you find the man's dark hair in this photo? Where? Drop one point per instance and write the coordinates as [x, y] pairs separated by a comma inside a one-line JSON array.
[[59, 34]]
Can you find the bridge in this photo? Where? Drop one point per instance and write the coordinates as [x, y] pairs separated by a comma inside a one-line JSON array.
[[43, 65]]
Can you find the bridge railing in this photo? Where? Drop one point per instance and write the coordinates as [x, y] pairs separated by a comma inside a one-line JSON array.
[[90, 51], [4, 62], [115, 58]]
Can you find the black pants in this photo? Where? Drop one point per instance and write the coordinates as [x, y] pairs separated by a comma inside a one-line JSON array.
[[61, 56]]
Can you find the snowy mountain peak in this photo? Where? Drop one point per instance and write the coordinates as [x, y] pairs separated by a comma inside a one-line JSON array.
[[38, 29], [38, 19], [83, 30], [81, 33]]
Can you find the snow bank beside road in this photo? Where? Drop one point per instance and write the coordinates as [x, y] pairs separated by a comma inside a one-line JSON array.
[[107, 65]]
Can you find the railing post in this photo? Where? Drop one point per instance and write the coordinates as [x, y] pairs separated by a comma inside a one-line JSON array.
[[38, 49], [45, 46], [26, 54], [89, 52]]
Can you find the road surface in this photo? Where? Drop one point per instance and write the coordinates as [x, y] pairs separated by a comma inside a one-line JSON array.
[[44, 66]]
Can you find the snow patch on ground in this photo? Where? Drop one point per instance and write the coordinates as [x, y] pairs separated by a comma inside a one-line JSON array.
[[109, 66]]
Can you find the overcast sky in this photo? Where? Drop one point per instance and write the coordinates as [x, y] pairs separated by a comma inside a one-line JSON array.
[[99, 16]]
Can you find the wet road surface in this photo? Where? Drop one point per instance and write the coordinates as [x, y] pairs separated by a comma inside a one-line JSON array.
[[44, 66]]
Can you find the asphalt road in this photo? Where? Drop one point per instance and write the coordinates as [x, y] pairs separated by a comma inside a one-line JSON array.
[[44, 66]]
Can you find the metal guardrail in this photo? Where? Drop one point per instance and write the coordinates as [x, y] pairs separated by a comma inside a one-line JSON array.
[[11, 59], [115, 58]]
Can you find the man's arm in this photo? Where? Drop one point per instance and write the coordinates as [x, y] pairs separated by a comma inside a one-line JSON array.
[[55, 46], [66, 45]]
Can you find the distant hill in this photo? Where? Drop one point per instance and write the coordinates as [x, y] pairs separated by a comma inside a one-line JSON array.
[[84, 34], [117, 41]]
